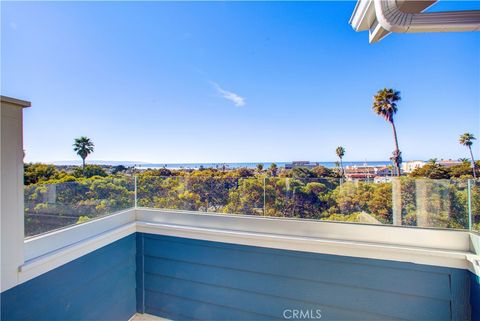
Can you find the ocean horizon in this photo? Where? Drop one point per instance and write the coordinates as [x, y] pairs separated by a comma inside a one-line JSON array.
[[145, 165], [250, 164]]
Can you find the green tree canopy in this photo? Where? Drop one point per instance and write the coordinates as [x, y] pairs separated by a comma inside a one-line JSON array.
[[431, 170], [37, 173], [90, 171], [118, 169]]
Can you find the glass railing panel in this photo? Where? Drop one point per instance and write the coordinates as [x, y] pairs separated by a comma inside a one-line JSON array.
[[53, 206], [439, 203], [453, 204], [210, 194], [307, 198], [366, 202], [162, 192], [246, 197], [235, 195], [474, 204], [398, 201]]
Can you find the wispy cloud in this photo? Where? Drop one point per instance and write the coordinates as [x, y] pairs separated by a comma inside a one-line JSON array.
[[238, 100]]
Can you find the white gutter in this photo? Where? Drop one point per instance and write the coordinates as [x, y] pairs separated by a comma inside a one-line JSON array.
[[381, 17], [394, 20]]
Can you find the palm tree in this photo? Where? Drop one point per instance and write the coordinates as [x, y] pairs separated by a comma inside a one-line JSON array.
[[385, 105], [340, 153], [83, 146], [273, 169], [259, 168], [467, 140]]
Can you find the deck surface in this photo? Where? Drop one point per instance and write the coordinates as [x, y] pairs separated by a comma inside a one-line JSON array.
[[146, 317]]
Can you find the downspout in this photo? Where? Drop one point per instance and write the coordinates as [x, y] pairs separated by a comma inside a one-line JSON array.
[[392, 19]]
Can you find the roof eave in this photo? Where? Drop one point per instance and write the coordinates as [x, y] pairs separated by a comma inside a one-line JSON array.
[[15, 101]]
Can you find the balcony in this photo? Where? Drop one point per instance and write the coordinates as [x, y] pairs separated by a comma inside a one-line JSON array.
[[245, 248], [193, 265]]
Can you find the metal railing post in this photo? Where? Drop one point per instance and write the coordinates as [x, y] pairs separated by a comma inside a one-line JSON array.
[[135, 192], [264, 197], [469, 200], [396, 201]]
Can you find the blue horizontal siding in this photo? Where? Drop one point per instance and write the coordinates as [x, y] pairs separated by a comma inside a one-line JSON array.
[[98, 286], [475, 296], [193, 279], [186, 279]]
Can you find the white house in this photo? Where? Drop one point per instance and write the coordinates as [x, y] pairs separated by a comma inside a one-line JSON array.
[[410, 166]]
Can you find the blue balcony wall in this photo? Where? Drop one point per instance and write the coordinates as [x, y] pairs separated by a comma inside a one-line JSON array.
[[475, 296], [97, 286], [185, 279]]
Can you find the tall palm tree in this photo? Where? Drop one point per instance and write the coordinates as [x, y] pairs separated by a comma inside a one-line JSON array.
[[385, 105], [340, 153], [467, 140], [83, 146]]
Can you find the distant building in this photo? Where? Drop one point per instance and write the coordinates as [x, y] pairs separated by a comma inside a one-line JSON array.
[[367, 173], [297, 164], [410, 166], [449, 162], [382, 179]]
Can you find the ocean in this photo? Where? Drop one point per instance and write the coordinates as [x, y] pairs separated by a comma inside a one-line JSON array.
[[249, 165]]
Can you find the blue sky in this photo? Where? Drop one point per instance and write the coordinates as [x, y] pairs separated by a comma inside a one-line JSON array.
[[232, 82]]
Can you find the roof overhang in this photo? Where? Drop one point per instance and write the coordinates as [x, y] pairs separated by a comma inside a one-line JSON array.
[[382, 17], [15, 101]]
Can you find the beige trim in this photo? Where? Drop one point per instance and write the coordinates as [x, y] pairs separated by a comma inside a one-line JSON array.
[[421, 246], [59, 257], [428, 256], [15, 101], [441, 239], [42, 244]]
